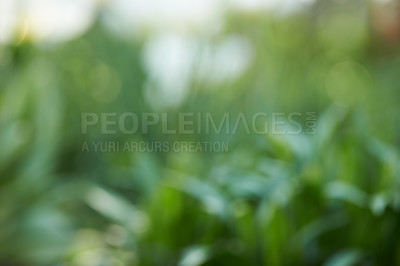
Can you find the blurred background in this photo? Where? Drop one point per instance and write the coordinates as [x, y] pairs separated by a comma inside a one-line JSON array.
[[330, 198]]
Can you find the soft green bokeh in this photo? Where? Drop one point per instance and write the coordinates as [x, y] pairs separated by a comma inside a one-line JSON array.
[[329, 198]]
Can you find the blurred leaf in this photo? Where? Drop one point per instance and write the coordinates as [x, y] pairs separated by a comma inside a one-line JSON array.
[[345, 258]]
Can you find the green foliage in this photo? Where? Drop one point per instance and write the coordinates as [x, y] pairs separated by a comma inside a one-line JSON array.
[[330, 198]]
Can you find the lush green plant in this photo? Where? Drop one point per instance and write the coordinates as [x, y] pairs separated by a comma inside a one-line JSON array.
[[328, 198]]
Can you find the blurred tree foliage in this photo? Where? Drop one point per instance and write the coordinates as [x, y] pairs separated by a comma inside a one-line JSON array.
[[326, 199]]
